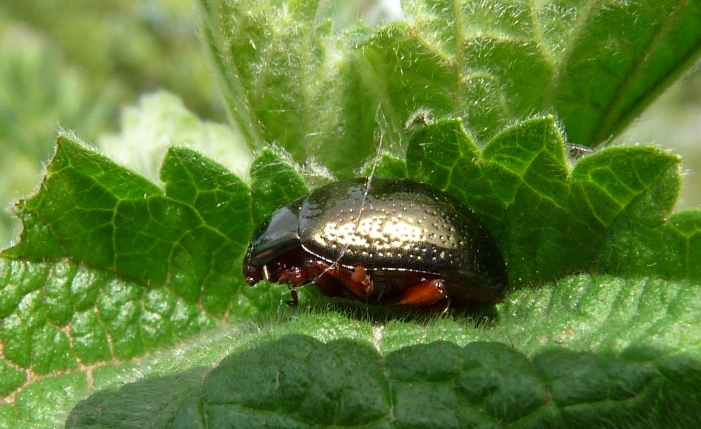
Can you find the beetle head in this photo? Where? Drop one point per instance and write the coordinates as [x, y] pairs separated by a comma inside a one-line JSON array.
[[275, 237]]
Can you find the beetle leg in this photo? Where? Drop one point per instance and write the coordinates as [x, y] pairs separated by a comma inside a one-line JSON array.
[[294, 302], [318, 273], [425, 294], [360, 275], [293, 277], [356, 281], [442, 306]]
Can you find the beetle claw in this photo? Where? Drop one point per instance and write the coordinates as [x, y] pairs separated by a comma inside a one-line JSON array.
[[294, 302], [443, 305], [357, 281]]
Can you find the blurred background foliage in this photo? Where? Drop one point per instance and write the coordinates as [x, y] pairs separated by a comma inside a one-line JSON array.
[[74, 64]]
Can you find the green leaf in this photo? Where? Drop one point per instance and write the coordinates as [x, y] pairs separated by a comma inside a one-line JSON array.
[[624, 195], [39, 89], [301, 77], [683, 237], [274, 183], [597, 64], [256, 91], [607, 81], [65, 309], [56, 316], [539, 367], [118, 279], [61, 320], [99, 213], [110, 268], [607, 214], [177, 406], [386, 166]]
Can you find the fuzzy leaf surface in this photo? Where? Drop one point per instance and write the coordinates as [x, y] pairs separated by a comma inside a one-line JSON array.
[[96, 212], [609, 213], [73, 324], [111, 267], [298, 75], [539, 367]]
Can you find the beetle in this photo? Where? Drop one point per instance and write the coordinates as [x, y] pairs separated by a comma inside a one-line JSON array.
[[380, 241]]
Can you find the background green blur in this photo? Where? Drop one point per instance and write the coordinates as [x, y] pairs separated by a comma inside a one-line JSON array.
[[71, 64]]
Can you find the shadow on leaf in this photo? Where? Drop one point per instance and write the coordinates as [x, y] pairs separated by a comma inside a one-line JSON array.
[[298, 381]]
